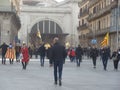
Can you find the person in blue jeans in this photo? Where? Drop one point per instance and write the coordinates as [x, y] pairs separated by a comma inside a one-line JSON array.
[[58, 54]]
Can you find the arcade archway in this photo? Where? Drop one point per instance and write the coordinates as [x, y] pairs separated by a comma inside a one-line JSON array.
[[48, 30]]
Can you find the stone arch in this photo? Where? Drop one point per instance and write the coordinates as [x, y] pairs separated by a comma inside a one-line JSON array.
[[47, 37], [41, 19]]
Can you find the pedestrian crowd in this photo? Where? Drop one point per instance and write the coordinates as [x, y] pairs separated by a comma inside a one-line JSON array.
[[57, 53]]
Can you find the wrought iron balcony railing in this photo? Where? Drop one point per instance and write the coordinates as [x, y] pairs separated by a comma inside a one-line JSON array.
[[98, 32], [82, 27]]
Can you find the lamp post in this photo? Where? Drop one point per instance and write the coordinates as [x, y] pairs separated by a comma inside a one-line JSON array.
[[117, 24]]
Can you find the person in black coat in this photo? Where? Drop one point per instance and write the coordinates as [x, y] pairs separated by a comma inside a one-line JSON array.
[[105, 56], [94, 55], [42, 52], [58, 55], [4, 47], [79, 53]]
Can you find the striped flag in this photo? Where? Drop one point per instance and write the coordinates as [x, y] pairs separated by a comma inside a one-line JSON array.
[[105, 41]]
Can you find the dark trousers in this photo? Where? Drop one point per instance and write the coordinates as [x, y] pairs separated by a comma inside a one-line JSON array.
[[3, 59], [24, 64], [11, 61], [42, 60], [105, 60], [17, 57], [94, 61], [115, 62], [78, 60], [58, 67], [50, 61]]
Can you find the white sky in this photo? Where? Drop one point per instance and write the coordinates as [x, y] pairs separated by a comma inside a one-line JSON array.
[[59, 0]]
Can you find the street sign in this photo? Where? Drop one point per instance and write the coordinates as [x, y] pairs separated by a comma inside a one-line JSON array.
[[94, 41]]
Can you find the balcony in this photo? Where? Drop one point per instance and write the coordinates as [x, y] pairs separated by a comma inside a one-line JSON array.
[[102, 12], [98, 32], [84, 13], [82, 27]]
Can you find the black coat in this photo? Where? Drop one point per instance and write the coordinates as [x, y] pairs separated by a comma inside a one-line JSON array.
[[105, 53], [4, 49], [94, 53], [58, 52], [42, 51], [79, 52]]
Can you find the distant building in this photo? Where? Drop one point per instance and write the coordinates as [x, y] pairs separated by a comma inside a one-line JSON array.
[[103, 17], [51, 19], [83, 29], [9, 20]]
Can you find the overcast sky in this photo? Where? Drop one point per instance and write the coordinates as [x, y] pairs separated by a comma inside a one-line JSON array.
[[59, 0]]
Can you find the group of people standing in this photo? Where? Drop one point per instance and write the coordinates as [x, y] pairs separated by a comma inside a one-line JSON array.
[[13, 52]]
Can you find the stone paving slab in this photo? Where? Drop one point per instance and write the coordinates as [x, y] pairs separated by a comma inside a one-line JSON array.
[[12, 77]]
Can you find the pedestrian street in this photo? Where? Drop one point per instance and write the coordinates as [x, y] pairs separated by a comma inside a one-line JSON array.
[[35, 77]]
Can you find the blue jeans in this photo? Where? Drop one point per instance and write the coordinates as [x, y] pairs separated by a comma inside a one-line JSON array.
[[78, 60], [3, 59], [58, 66], [105, 60]]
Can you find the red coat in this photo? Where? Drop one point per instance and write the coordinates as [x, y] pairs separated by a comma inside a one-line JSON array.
[[25, 54]]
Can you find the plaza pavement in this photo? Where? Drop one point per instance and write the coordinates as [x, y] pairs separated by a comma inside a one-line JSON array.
[[85, 77]]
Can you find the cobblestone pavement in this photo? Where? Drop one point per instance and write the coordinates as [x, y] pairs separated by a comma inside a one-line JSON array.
[[85, 77]]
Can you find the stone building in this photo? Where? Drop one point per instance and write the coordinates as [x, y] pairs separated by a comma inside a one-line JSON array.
[[9, 21], [104, 17], [83, 29], [51, 19]]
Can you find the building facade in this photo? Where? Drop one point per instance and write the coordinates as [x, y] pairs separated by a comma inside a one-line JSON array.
[[51, 19], [9, 21], [104, 16], [83, 29]]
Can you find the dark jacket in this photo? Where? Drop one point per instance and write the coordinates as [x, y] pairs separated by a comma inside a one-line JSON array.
[[42, 51], [58, 52], [79, 52], [105, 54], [94, 53], [4, 49]]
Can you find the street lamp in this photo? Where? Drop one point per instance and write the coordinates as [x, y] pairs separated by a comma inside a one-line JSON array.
[[117, 24]]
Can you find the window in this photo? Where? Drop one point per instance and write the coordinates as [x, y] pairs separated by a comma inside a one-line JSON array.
[[82, 21]]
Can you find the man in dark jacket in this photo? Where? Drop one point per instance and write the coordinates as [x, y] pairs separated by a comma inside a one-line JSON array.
[[4, 49], [79, 53], [42, 52], [58, 55], [94, 55], [105, 56]]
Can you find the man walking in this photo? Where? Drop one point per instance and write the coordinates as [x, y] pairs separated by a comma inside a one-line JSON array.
[[58, 55], [79, 53], [42, 52], [105, 56]]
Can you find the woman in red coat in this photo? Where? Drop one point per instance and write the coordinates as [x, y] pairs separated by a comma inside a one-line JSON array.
[[25, 55]]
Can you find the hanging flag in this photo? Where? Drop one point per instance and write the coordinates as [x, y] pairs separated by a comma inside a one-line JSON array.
[[105, 41], [38, 31], [38, 34]]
